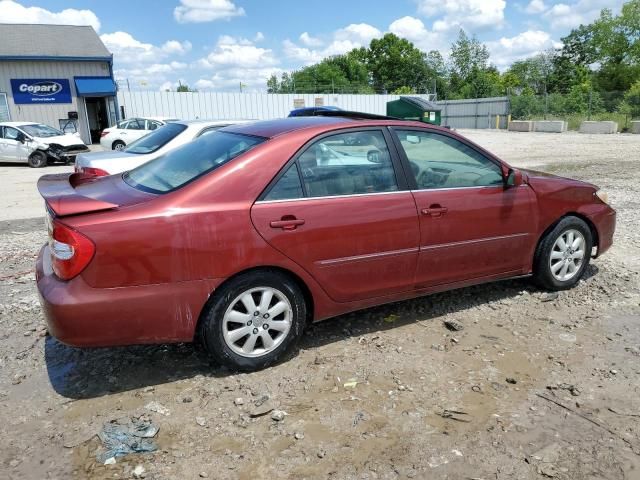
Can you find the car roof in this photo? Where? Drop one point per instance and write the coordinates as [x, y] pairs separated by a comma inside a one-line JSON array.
[[18, 124], [212, 122], [273, 128]]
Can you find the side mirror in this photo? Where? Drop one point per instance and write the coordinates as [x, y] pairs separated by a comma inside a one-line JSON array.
[[22, 138], [513, 178], [374, 156]]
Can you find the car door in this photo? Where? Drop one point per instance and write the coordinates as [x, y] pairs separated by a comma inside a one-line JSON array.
[[11, 149], [134, 130], [471, 225], [344, 214]]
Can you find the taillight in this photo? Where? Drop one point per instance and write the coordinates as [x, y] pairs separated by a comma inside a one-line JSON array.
[[104, 133], [71, 251], [96, 172]]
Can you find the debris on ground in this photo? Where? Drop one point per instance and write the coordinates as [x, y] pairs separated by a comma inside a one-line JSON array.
[[158, 408], [391, 318], [453, 325], [124, 436], [549, 297], [454, 415], [278, 415]]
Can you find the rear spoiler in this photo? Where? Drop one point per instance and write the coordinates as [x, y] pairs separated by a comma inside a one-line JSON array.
[[58, 191]]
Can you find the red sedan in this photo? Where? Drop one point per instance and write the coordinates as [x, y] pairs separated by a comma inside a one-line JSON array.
[[243, 236]]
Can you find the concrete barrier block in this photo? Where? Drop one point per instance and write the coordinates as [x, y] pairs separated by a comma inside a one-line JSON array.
[[550, 126], [599, 127], [635, 126], [520, 126]]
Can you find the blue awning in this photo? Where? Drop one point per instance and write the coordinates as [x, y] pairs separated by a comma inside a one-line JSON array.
[[95, 86]]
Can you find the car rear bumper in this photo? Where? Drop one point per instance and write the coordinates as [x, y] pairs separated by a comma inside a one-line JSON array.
[[605, 222], [82, 316]]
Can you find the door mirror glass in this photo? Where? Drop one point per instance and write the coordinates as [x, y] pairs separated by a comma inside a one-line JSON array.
[[374, 156], [22, 138], [514, 178], [413, 139]]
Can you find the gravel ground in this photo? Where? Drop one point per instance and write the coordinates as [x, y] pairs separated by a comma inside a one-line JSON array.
[[534, 386]]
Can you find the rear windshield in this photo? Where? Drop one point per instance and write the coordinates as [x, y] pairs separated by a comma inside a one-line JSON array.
[[184, 164], [156, 139]]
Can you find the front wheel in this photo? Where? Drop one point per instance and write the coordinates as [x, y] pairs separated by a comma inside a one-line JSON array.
[[563, 254], [37, 159], [253, 319]]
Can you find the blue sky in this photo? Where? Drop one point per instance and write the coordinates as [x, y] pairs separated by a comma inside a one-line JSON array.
[[216, 44]]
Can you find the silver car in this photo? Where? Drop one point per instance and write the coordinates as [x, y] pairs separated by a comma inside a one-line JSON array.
[[149, 147]]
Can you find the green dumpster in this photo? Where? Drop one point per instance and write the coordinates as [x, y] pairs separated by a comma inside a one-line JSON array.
[[414, 108]]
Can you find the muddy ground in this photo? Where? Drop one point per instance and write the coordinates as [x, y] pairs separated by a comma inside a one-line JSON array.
[[534, 386]]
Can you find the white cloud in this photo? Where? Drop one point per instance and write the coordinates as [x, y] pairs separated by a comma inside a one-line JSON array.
[[414, 30], [535, 7], [259, 37], [13, 12], [342, 41], [468, 14], [237, 52], [572, 14], [199, 11], [526, 44], [174, 47], [310, 41]]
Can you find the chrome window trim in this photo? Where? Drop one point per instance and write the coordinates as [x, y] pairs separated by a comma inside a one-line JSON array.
[[306, 199]]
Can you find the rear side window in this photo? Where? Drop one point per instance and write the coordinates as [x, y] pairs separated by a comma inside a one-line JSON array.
[[348, 164], [188, 162], [288, 187]]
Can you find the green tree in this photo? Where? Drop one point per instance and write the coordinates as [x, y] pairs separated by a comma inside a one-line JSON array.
[[182, 87], [631, 102], [395, 62]]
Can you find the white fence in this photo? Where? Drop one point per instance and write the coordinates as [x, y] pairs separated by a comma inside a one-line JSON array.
[[228, 106], [468, 113]]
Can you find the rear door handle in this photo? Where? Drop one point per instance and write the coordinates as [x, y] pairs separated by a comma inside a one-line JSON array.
[[287, 224], [434, 211]]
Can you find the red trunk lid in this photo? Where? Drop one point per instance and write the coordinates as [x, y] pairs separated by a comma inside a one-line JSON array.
[[72, 194]]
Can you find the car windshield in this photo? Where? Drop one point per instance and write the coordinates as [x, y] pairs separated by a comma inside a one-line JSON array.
[[40, 130], [156, 139], [184, 164]]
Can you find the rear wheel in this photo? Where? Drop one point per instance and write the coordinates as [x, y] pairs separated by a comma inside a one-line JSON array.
[[118, 145], [563, 254], [253, 320], [37, 159]]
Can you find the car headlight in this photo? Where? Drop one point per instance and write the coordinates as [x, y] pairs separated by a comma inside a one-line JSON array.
[[603, 196]]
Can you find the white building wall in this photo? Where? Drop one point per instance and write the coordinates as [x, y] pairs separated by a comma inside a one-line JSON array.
[[50, 113], [230, 106]]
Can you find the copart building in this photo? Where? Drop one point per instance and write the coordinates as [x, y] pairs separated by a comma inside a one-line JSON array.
[[59, 75]]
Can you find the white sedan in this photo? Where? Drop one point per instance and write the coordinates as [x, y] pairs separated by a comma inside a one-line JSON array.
[[127, 131], [149, 147]]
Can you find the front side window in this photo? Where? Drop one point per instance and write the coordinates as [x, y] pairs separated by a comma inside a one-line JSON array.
[[156, 139], [188, 162], [440, 161], [348, 164], [153, 125], [11, 133]]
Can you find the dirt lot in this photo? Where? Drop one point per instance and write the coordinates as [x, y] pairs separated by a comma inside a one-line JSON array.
[[534, 386]]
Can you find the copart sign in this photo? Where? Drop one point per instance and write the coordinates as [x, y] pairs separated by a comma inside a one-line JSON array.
[[40, 90]]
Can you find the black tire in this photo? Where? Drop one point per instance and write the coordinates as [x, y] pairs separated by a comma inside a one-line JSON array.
[[542, 273], [118, 145], [211, 329], [37, 159]]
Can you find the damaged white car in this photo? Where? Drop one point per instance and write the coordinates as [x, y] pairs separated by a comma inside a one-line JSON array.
[[37, 144]]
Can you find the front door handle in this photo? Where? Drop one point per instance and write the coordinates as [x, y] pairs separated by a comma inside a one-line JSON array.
[[287, 223], [434, 211]]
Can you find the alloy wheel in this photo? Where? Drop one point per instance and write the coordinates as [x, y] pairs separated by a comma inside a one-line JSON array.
[[567, 255], [257, 321]]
